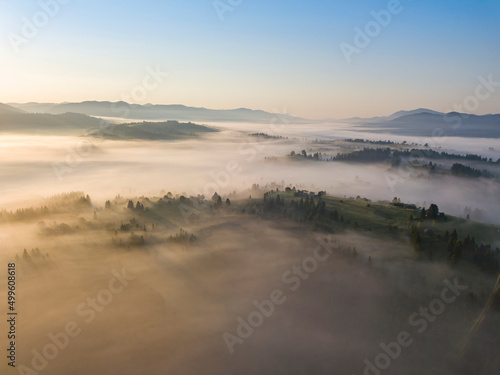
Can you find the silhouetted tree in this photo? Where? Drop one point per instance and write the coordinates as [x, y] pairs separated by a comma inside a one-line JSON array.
[[433, 211]]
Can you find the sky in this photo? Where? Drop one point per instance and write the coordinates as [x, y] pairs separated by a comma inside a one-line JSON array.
[[279, 56]]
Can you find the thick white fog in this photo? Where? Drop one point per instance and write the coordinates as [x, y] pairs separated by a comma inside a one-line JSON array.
[[40, 166], [178, 302]]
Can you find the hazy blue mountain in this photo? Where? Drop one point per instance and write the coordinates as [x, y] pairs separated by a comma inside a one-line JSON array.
[[391, 117], [410, 113], [33, 107], [451, 124], [158, 112]]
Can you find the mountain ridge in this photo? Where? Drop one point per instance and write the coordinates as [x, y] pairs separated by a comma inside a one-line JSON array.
[[434, 125], [391, 116], [161, 112], [7, 109]]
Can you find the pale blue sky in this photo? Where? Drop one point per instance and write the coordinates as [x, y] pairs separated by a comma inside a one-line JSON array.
[[265, 54]]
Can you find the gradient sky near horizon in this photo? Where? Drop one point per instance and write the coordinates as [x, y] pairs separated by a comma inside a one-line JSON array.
[[271, 55]]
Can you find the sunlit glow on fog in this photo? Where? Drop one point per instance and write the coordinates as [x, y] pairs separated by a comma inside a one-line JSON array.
[[37, 166]]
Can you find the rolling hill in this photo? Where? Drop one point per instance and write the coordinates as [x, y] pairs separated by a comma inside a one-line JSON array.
[[79, 124], [39, 123], [165, 131], [7, 109]]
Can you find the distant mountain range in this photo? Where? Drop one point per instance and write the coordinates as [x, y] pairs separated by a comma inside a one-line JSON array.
[[423, 122], [432, 124], [76, 117], [158, 112], [15, 120], [391, 117]]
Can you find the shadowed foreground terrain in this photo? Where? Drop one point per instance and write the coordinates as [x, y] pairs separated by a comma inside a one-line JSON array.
[[162, 285]]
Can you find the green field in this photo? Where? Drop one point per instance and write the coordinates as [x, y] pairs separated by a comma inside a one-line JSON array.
[[386, 218]]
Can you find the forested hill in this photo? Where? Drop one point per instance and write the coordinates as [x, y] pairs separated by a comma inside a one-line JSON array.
[[41, 123], [169, 130]]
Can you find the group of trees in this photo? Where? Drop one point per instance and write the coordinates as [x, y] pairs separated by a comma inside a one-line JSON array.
[[456, 249], [35, 256], [431, 213], [182, 237], [359, 140], [23, 214], [169, 200], [483, 255], [303, 155], [374, 155], [58, 204], [303, 209], [132, 225], [431, 154], [451, 242], [265, 135], [454, 246], [138, 206], [366, 155], [461, 170], [313, 208], [218, 200]]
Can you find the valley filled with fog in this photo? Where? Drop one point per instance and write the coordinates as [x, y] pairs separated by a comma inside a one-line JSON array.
[[233, 160], [234, 187], [162, 241]]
